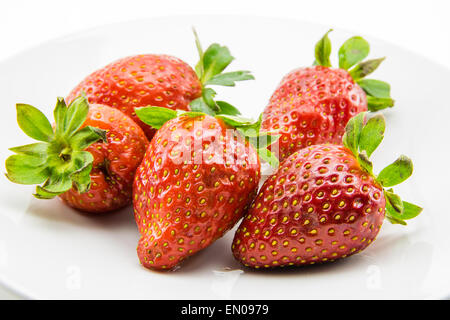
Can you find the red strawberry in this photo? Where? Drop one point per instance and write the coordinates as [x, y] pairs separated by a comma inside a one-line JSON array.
[[324, 203], [312, 105], [115, 162], [194, 183], [88, 175], [139, 81], [199, 173], [158, 80]]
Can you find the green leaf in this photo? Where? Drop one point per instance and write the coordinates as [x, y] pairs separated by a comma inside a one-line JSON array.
[[38, 149], [155, 116], [353, 50], [394, 208], [372, 134], [249, 126], [100, 133], [376, 104], [199, 105], [83, 138], [375, 88], [191, 114], [395, 201], [226, 108], [268, 156], [353, 132], [235, 121], [261, 141], [215, 59], [208, 95], [26, 168], [229, 78], [57, 183], [393, 220], [34, 123], [60, 115], [82, 179], [365, 68], [253, 127], [251, 131], [410, 210], [364, 162], [81, 160], [76, 115], [41, 193], [397, 172], [323, 51]]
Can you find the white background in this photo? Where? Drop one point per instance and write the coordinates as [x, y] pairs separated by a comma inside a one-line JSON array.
[[420, 26]]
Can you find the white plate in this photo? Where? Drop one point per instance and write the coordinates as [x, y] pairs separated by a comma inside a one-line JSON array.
[[50, 251]]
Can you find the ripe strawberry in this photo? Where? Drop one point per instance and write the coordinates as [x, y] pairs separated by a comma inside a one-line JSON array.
[[312, 105], [139, 81], [193, 185], [88, 175], [324, 203], [156, 80]]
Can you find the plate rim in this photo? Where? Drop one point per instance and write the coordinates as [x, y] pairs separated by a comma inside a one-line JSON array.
[[19, 290]]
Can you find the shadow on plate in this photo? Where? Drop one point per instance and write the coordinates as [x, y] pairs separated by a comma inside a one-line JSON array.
[[55, 211], [219, 257]]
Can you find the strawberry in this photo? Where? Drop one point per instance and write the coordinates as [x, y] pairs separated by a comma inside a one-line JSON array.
[[155, 80], [141, 80], [324, 202], [312, 105], [198, 176], [88, 159]]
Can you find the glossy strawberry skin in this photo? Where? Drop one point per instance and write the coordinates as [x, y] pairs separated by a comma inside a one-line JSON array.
[[141, 81], [319, 206], [115, 162], [312, 106], [181, 208]]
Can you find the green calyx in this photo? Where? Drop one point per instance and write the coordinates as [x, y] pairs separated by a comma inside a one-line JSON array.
[[58, 162], [209, 69], [248, 128], [362, 138], [351, 56]]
